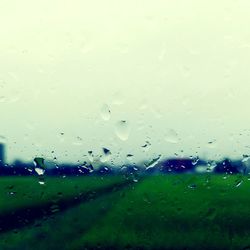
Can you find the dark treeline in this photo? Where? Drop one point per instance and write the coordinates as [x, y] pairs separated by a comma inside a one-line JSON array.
[[156, 166], [167, 166]]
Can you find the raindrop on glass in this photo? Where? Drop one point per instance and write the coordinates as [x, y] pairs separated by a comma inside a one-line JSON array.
[[106, 155], [39, 166], [105, 112], [245, 158], [238, 183], [2, 139], [171, 136], [192, 186], [122, 130], [130, 157], [146, 146], [211, 144], [195, 160], [90, 156], [153, 163]]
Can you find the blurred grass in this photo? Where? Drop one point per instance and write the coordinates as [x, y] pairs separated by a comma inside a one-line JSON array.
[[59, 230], [159, 212], [177, 212], [21, 192]]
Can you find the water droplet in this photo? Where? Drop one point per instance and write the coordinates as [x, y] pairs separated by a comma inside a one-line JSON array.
[[87, 168], [157, 113], [39, 166], [171, 136], [195, 160], [123, 168], [78, 141], [238, 183], [39, 171], [192, 186], [201, 169], [146, 146], [130, 157], [153, 163], [245, 158], [11, 193], [122, 130], [212, 144], [55, 208], [106, 155], [90, 156], [105, 112], [211, 166], [3, 139]]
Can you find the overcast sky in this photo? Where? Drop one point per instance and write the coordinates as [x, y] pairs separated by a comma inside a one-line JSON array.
[[136, 77]]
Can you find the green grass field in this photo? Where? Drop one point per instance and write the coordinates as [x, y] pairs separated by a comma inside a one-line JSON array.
[[158, 212]]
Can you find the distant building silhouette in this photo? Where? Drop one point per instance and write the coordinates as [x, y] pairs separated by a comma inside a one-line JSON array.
[[2, 154]]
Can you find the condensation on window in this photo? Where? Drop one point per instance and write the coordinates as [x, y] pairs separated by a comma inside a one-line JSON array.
[[124, 124]]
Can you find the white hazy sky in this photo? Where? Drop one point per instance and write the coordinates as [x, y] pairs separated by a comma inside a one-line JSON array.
[[176, 71]]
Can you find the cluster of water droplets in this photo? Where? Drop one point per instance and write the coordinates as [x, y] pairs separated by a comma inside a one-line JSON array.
[[39, 168]]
